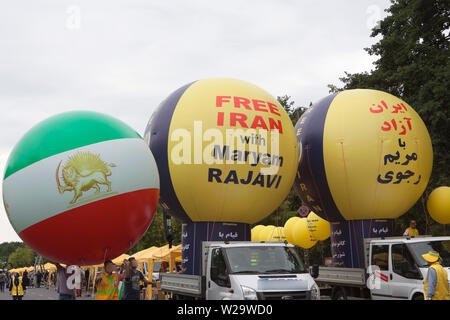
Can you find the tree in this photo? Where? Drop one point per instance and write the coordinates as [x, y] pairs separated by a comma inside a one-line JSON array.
[[414, 64], [289, 106], [21, 257], [6, 248]]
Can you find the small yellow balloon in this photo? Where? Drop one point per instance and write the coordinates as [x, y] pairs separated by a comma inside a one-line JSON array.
[[438, 205], [302, 236], [256, 231], [278, 235], [288, 226], [266, 233], [319, 228]]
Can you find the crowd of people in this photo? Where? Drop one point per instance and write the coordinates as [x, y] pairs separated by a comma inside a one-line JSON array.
[[107, 283], [114, 282], [17, 283]]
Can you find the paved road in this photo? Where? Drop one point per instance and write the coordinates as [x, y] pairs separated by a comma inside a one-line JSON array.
[[40, 294]]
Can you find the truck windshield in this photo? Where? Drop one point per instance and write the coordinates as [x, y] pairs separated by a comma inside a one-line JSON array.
[[420, 248], [270, 259]]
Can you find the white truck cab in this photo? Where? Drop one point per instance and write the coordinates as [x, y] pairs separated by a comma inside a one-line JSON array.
[[246, 271], [393, 269], [402, 269]]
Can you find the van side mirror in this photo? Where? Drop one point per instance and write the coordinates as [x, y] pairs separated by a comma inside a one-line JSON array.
[[315, 271]]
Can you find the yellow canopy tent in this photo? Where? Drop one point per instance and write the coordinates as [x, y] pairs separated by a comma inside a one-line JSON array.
[[175, 255], [169, 255], [162, 254], [119, 259], [49, 266], [144, 255]]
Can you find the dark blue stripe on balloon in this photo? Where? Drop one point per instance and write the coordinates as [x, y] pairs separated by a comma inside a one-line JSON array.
[[311, 168], [159, 138]]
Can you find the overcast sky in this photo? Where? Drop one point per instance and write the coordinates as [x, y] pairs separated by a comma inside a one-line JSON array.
[[124, 57]]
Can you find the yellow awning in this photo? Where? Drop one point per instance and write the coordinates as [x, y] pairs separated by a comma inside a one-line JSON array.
[[164, 253], [49, 266], [158, 254], [144, 255], [119, 259]]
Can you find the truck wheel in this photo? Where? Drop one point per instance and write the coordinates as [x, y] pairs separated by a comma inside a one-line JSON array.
[[418, 296], [340, 294]]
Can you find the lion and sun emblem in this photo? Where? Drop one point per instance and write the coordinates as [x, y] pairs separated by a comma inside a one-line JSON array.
[[82, 172]]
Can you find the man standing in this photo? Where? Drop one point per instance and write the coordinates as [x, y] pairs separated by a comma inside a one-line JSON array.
[[17, 288], [25, 279], [65, 293], [436, 280], [108, 283], [2, 281], [132, 289], [38, 279], [412, 229]]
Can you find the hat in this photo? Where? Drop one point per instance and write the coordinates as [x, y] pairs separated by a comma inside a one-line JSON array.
[[431, 256]]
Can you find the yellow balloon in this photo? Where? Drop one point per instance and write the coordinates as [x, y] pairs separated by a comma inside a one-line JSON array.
[[319, 228], [377, 157], [278, 235], [266, 233], [211, 177], [256, 231], [438, 205], [302, 236], [288, 226]]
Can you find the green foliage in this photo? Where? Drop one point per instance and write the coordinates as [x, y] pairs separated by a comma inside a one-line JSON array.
[[414, 64], [6, 248], [294, 112], [21, 257]]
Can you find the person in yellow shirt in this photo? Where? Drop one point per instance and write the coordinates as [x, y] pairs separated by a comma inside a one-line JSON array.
[[436, 280], [412, 229], [16, 287], [108, 283]]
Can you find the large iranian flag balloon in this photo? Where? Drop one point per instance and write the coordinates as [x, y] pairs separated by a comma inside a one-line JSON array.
[[81, 187]]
